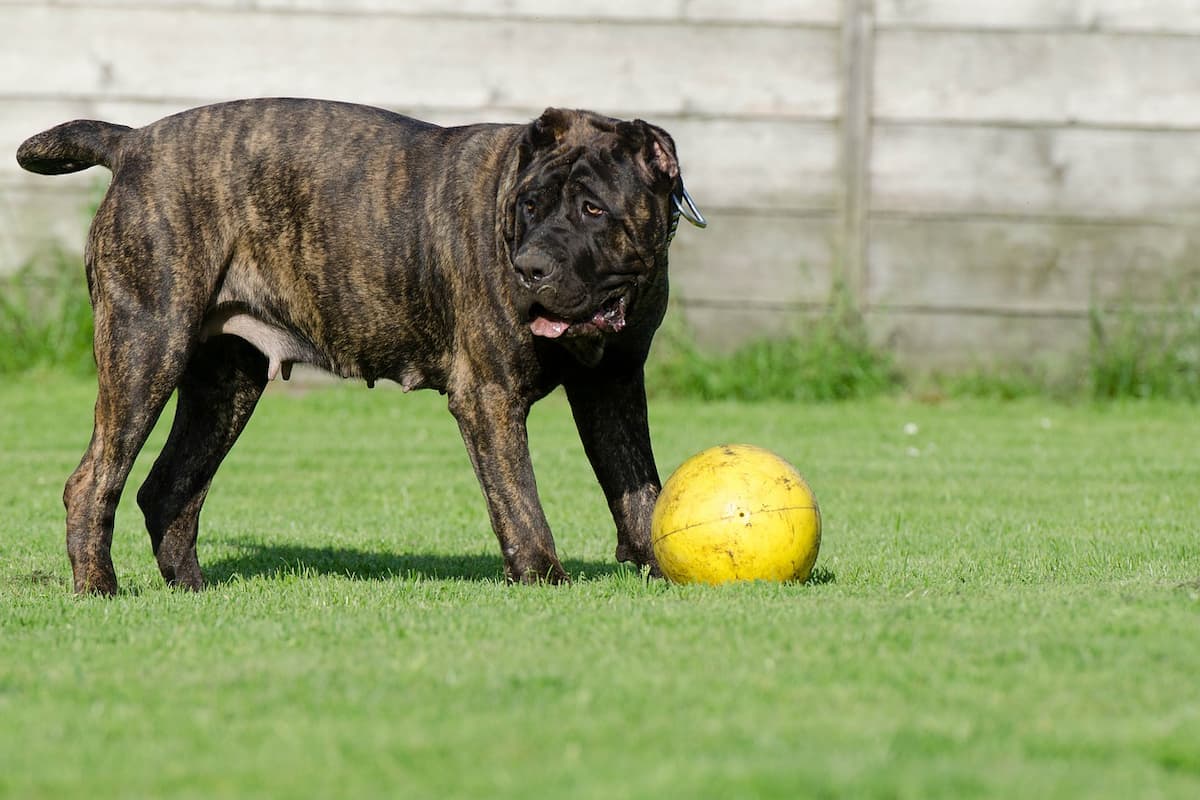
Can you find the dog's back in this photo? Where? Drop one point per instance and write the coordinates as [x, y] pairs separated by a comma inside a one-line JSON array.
[[242, 126]]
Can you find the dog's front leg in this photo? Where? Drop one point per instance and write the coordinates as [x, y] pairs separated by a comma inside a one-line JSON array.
[[492, 422], [609, 405]]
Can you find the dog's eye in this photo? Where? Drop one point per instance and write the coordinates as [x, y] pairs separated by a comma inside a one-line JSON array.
[[530, 207], [593, 210]]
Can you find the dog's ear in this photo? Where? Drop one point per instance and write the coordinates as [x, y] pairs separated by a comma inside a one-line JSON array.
[[549, 127], [545, 131], [655, 150]]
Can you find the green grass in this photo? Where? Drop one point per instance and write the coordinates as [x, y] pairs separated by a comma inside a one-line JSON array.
[[831, 357], [45, 316], [1135, 354], [1008, 605]]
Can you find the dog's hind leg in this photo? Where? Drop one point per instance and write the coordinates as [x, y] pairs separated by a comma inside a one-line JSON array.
[[151, 275], [137, 367], [217, 394]]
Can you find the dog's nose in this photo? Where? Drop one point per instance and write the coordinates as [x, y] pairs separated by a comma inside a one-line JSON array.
[[535, 268]]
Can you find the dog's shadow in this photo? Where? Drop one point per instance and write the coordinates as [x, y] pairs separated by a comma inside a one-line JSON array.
[[255, 559]]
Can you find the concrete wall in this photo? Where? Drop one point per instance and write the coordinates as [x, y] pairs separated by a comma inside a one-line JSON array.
[[978, 173]]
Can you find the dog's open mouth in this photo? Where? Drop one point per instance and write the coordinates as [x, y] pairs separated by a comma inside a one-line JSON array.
[[609, 318]]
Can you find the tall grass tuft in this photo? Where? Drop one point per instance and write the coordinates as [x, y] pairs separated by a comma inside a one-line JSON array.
[[45, 316], [1136, 354], [832, 358]]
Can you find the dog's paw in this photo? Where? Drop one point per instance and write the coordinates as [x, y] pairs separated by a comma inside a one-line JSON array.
[[551, 572]]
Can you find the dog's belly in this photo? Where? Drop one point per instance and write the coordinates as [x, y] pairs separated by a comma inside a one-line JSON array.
[[281, 347], [271, 301], [284, 348]]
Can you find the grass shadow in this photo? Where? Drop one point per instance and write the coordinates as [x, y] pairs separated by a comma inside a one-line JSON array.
[[35, 577], [821, 576], [255, 559]]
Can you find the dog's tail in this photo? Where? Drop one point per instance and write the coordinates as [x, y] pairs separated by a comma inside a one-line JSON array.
[[71, 147]]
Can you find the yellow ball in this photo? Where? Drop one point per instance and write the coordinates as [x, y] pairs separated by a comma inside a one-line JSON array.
[[736, 513]]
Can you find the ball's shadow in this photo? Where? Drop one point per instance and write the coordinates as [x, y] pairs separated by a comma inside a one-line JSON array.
[[255, 559]]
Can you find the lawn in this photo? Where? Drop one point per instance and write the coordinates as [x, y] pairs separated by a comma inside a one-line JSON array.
[[1007, 604]]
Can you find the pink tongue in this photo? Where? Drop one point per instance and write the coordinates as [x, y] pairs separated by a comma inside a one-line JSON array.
[[550, 328]]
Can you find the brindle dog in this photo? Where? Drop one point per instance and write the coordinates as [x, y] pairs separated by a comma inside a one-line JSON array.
[[490, 262]]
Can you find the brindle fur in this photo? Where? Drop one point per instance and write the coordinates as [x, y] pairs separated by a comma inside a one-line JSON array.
[[239, 238]]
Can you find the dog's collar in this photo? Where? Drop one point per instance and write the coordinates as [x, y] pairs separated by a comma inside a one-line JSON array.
[[682, 205]]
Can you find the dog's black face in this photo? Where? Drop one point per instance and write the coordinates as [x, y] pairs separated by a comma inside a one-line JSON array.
[[590, 220]]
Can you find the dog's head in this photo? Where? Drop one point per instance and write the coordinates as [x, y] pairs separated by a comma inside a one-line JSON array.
[[589, 220]]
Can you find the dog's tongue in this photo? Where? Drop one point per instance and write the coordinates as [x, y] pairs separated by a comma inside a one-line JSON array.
[[609, 319], [550, 328]]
